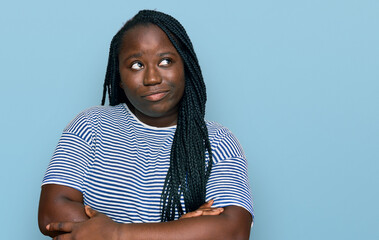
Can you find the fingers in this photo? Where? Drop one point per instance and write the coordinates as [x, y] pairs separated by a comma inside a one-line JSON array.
[[90, 212], [212, 211], [203, 212], [208, 210], [207, 204], [196, 213], [61, 226]]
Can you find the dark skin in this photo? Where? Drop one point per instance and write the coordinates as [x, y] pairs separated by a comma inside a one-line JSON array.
[[152, 76], [72, 220]]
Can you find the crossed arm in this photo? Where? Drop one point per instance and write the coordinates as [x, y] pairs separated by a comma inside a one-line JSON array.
[[62, 215]]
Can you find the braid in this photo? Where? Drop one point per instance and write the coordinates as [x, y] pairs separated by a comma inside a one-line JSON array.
[[189, 171]]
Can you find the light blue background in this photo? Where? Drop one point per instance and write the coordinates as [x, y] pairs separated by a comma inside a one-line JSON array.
[[297, 81]]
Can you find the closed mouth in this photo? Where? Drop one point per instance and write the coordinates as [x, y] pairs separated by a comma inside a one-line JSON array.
[[155, 96]]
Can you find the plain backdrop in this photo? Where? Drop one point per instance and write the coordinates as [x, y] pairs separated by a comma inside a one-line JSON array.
[[297, 81]]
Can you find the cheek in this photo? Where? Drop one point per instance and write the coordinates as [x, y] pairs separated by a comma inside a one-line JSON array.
[[176, 82], [129, 83], [129, 89]]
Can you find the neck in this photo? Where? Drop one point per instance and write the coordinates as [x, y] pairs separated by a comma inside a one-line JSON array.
[[165, 121], [168, 120]]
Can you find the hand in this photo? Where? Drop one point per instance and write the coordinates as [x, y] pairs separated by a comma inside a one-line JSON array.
[[98, 227], [205, 209]]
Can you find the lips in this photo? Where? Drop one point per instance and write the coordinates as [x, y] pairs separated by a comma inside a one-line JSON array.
[[155, 96]]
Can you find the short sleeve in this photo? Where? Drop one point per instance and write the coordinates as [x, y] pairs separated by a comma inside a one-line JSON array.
[[228, 184], [72, 156]]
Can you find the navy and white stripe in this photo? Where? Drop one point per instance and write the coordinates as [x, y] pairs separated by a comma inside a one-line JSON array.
[[120, 164]]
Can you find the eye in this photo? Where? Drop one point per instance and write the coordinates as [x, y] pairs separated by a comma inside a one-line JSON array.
[[165, 62], [136, 66]]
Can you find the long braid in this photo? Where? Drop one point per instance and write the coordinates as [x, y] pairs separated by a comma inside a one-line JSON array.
[[188, 172]]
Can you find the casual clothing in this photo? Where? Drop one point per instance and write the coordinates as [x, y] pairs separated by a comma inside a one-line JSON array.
[[120, 164]]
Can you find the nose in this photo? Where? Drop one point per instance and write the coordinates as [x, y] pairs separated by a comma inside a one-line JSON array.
[[152, 76]]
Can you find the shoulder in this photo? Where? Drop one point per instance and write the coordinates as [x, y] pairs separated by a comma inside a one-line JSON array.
[[96, 113], [94, 118], [224, 143], [215, 128]]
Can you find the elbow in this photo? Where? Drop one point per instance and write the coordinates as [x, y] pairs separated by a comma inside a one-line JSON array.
[[240, 235], [239, 231], [43, 220], [235, 232]]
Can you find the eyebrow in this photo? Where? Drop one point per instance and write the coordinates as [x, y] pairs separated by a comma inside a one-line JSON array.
[[136, 55], [166, 53]]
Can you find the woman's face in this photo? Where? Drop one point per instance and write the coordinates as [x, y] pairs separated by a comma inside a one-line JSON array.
[[152, 75]]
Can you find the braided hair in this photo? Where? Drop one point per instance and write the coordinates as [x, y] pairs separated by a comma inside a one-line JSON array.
[[189, 171]]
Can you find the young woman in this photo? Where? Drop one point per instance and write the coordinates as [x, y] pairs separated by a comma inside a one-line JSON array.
[[148, 166]]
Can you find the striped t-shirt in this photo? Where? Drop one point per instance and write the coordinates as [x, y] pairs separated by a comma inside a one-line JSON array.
[[120, 164]]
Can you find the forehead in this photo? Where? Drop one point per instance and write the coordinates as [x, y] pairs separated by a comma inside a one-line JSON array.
[[145, 36]]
